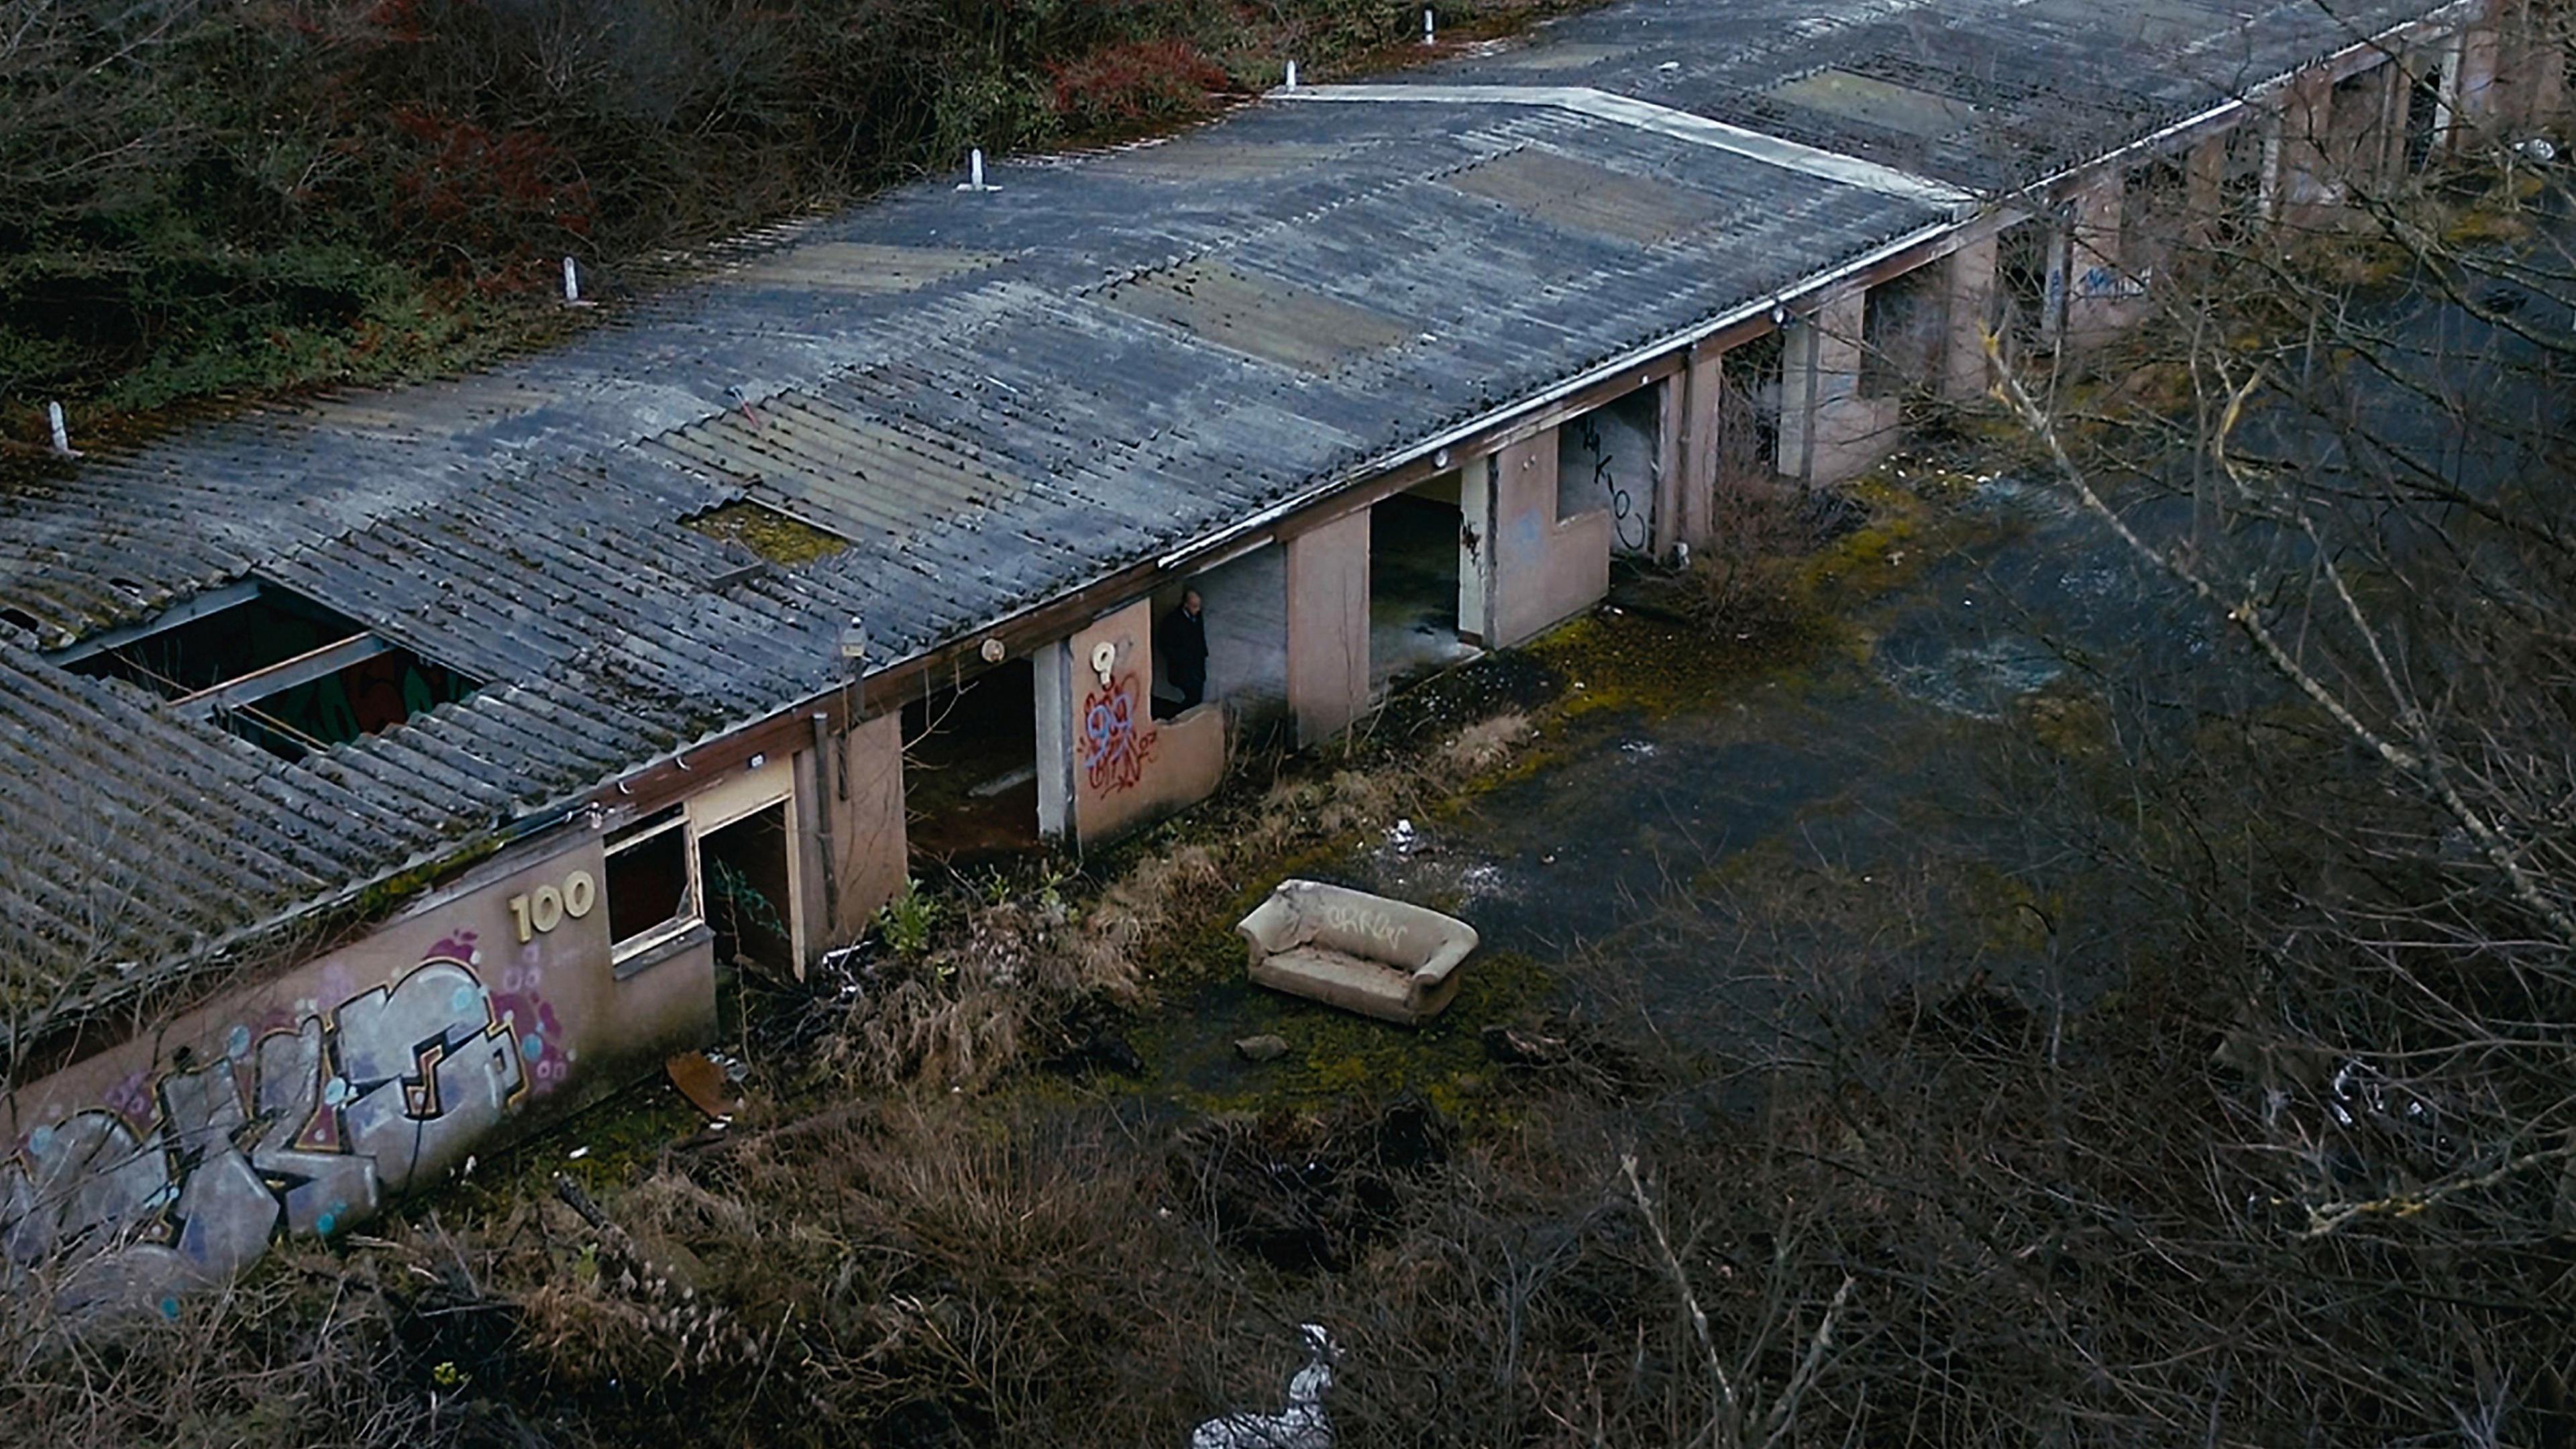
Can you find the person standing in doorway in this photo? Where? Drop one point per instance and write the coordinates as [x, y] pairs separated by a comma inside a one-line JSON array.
[[1182, 642]]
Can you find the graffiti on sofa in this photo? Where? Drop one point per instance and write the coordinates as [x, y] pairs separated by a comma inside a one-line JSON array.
[[303, 1123]]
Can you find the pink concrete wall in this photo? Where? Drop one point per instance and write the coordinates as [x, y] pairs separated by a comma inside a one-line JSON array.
[[1543, 570], [869, 851], [1328, 624], [301, 1104], [1129, 768]]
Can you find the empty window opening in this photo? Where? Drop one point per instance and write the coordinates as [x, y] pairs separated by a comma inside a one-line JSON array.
[[1748, 411], [278, 669], [649, 891], [769, 534], [749, 891], [1607, 460], [1415, 552], [2031, 264], [1902, 331], [970, 769]]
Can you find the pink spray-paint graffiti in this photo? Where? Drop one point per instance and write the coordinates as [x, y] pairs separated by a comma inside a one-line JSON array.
[[1117, 736], [301, 1126]]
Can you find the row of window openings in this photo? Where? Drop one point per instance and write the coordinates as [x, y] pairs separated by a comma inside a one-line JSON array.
[[665, 878]]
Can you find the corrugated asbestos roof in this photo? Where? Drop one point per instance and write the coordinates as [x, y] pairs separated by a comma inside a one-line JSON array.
[[1990, 95], [995, 397]]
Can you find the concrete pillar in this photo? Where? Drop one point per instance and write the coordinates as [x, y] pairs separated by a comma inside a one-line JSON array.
[[1328, 626], [2310, 187], [1670, 403], [1475, 552], [2537, 55], [1702, 388], [2397, 93], [2204, 183], [2099, 282], [1969, 307], [1051, 670], [2475, 92], [1828, 431]]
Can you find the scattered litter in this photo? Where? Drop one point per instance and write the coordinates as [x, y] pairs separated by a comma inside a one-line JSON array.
[[1265, 1048], [578, 1153], [1301, 1425], [1637, 749], [707, 1084], [1402, 836]]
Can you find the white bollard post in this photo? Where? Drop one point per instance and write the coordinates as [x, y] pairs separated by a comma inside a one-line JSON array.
[[62, 430], [1426, 25], [1292, 76], [572, 284]]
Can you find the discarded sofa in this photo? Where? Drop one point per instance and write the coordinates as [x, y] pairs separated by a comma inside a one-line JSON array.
[[1363, 953]]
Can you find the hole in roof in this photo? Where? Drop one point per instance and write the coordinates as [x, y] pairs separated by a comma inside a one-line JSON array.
[[768, 533], [288, 674], [19, 619]]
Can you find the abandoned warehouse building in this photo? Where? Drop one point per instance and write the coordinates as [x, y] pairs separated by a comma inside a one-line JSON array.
[[388, 775]]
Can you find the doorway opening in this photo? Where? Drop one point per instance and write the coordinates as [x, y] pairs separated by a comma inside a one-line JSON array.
[[1607, 459], [2423, 116], [749, 891], [1414, 568], [970, 769], [1748, 411]]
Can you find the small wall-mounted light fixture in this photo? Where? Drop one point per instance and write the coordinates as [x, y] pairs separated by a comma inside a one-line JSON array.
[[1440, 459], [991, 651], [1104, 661], [1779, 315], [854, 639], [756, 761]]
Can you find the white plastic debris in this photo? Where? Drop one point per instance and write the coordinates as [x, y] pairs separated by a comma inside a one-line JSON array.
[[1301, 1425]]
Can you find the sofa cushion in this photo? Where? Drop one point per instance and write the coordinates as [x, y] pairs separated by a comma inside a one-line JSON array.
[[1339, 979]]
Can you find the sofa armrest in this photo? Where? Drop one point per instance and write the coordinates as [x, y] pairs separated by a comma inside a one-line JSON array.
[[1271, 928], [1431, 973]]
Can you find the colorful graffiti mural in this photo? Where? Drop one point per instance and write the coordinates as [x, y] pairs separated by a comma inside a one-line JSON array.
[[1117, 735], [304, 1123]]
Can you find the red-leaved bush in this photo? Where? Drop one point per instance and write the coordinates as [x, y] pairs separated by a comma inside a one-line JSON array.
[[1139, 80]]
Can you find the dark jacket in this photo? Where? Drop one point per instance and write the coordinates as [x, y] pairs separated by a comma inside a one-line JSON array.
[[1182, 643]]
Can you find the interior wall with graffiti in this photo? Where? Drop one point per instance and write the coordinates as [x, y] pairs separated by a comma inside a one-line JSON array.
[[303, 1104], [1128, 767]]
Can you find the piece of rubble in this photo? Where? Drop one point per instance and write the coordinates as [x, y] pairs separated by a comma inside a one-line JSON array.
[[1264, 1048]]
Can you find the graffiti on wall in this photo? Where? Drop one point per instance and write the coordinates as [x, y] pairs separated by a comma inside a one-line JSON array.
[[303, 1123], [1624, 518], [1117, 735]]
